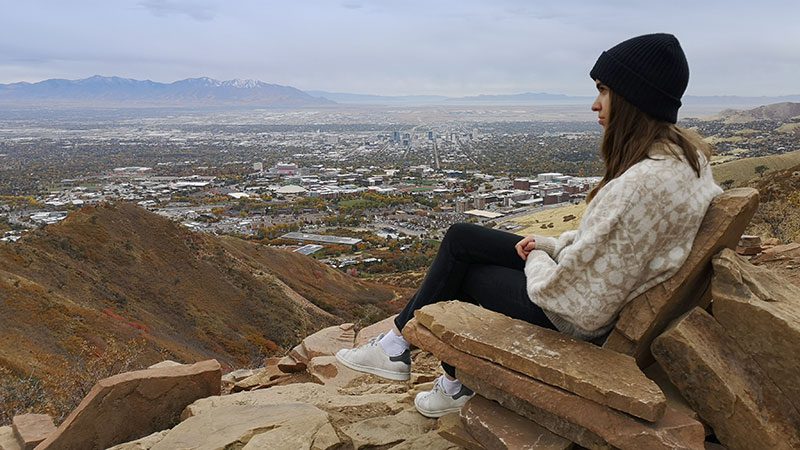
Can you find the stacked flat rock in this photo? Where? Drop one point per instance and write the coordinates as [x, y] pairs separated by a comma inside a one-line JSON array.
[[580, 420], [496, 427], [601, 375], [749, 245]]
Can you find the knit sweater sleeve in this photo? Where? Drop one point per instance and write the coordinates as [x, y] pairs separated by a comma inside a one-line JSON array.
[[553, 246], [586, 282]]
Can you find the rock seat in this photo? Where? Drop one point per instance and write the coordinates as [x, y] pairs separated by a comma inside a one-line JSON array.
[[595, 397]]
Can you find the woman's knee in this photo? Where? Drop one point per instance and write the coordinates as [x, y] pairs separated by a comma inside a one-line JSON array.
[[459, 230]]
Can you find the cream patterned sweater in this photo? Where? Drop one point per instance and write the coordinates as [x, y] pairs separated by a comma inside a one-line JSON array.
[[636, 233]]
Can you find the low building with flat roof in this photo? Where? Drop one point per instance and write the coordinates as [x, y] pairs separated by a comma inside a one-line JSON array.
[[321, 238]]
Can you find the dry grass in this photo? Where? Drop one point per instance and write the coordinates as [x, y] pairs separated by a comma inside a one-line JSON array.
[[742, 171], [549, 222], [119, 273]]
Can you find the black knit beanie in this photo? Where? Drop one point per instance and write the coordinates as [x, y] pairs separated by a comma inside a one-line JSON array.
[[648, 71]]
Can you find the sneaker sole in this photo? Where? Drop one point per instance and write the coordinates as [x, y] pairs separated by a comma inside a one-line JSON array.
[[436, 414], [383, 373]]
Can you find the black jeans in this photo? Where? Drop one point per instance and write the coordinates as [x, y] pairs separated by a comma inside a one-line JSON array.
[[477, 265]]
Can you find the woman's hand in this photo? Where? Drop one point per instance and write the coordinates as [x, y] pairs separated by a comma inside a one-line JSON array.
[[525, 246]]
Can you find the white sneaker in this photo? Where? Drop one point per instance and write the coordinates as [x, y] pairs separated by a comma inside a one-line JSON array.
[[371, 358], [435, 403]]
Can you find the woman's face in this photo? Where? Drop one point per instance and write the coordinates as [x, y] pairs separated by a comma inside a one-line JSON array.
[[602, 104]]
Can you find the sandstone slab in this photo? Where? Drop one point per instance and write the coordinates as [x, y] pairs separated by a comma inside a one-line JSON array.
[[258, 379], [144, 443], [328, 341], [128, 406], [343, 409], [602, 375], [165, 363], [496, 427], [674, 398], [7, 439], [647, 315], [428, 441], [240, 374], [452, 428], [725, 386], [580, 420], [327, 370], [371, 331], [291, 425], [288, 364], [31, 429], [388, 430], [761, 312]]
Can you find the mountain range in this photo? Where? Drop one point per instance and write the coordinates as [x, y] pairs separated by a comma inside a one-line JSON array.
[[116, 91], [100, 91]]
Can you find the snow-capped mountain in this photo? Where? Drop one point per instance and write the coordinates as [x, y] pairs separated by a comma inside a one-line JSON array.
[[123, 92]]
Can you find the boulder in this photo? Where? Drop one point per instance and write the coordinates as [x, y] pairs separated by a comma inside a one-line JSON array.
[[498, 428], [31, 429], [291, 425], [647, 315], [369, 332], [7, 439], [725, 386], [762, 314], [388, 430], [580, 420], [128, 406], [452, 428], [598, 374]]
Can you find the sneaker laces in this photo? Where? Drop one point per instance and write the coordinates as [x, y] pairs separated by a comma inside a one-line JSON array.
[[374, 341]]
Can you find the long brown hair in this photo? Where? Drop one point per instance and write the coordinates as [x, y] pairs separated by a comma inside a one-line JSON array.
[[629, 135]]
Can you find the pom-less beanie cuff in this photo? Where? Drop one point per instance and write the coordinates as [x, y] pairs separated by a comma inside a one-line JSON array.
[[650, 72]]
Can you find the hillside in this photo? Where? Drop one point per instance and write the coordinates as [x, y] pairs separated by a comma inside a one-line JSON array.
[[778, 216], [743, 170], [778, 213], [113, 277], [783, 112]]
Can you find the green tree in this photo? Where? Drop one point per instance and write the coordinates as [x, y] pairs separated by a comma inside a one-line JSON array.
[[761, 169]]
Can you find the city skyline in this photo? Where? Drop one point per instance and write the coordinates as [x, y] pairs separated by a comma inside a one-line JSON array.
[[410, 48]]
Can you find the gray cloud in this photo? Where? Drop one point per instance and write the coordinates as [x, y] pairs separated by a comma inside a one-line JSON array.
[[451, 47], [165, 8]]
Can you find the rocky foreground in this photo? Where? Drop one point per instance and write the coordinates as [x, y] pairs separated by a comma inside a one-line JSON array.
[[728, 375], [305, 400], [723, 333]]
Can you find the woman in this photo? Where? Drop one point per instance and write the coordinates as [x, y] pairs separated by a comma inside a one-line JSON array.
[[636, 232]]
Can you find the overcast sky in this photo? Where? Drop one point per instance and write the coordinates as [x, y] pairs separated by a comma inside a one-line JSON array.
[[391, 47]]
